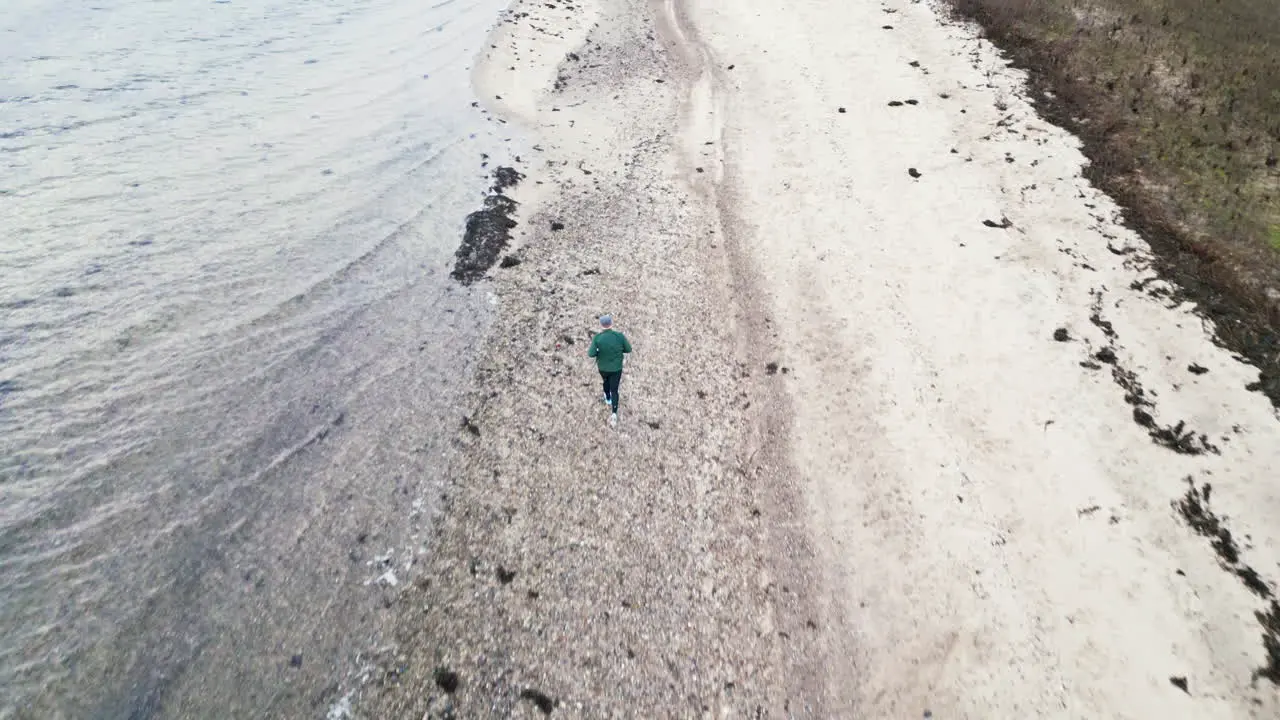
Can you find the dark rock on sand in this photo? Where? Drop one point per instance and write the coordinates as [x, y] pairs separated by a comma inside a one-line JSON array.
[[446, 680], [541, 700], [1061, 335]]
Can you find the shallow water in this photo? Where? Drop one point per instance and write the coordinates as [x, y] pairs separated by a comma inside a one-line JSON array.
[[228, 342]]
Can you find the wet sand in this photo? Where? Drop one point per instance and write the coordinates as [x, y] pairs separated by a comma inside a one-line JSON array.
[[911, 429]]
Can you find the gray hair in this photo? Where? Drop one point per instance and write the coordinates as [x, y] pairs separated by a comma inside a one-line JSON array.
[[606, 320]]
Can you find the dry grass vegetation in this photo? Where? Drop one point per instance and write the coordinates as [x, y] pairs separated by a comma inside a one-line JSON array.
[[1178, 103]]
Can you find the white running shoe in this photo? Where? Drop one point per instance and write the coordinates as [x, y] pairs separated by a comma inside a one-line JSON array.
[[613, 420], [607, 401]]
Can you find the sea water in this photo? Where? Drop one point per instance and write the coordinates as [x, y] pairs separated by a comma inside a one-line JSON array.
[[229, 346]]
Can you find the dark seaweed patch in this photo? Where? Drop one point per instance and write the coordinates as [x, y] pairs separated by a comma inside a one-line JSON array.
[[1096, 317], [1194, 509], [505, 177], [487, 235], [1175, 437], [1270, 621]]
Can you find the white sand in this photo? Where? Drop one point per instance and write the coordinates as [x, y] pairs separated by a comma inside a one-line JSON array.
[[932, 506], [949, 444]]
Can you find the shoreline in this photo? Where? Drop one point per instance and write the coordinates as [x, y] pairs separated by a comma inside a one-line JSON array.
[[1231, 291], [900, 436]]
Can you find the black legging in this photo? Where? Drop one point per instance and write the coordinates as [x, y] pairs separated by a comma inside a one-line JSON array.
[[611, 381]]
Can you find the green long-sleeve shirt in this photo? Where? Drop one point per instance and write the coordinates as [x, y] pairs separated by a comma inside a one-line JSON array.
[[608, 347]]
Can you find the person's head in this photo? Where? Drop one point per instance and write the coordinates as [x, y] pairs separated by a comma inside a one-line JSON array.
[[606, 321]]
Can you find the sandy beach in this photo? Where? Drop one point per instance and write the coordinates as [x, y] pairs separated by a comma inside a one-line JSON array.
[[911, 429]]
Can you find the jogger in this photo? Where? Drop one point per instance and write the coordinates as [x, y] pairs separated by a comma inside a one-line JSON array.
[[608, 347]]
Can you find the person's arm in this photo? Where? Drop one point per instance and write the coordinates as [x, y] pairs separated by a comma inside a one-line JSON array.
[[594, 349], [626, 345]]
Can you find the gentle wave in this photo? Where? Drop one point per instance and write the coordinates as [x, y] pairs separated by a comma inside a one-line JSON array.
[[208, 208]]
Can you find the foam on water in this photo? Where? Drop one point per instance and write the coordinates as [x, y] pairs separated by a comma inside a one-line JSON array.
[[227, 228]]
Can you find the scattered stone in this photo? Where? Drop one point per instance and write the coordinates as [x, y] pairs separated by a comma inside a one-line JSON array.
[[841, 110], [295, 661], [913, 173], [509, 261], [557, 226], [541, 700], [771, 368], [1004, 223], [895, 103], [1180, 683], [505, 576], [732, 67], [1196, 369], [446, 680], [1061, 335], [1106, 355], [913, 102], [470, 426]]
